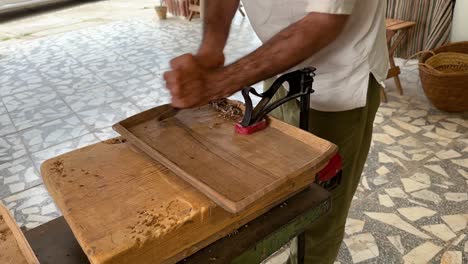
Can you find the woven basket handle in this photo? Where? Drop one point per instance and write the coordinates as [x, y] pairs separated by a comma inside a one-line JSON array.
[[423, 64]]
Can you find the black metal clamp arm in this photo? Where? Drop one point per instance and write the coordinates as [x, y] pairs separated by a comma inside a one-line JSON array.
[[300, 86]]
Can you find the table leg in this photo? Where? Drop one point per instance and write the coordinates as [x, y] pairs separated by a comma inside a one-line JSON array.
[[301, 248], [240, 10], [202, 8], [396, 78], [392, 48], [383, 95]]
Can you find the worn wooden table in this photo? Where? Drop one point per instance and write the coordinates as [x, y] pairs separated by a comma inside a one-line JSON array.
[[163, 199], [54, 242], [125, 207]]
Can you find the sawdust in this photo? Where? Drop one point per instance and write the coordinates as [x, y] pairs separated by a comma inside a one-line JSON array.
[[227, 109], [10, 251], [155, 222], [3, 233], [57, 167], [112, 141]]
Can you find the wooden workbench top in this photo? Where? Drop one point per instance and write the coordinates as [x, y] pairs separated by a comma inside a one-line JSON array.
[[14, 249], [124, 207]]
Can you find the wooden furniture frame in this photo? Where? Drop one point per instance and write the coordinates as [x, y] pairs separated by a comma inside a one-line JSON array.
[[398, 28], [54, 241], [196, 7]]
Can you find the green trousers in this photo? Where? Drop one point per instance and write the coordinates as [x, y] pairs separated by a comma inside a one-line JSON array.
[[351, 131]]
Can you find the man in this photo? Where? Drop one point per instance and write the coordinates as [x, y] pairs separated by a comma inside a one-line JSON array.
[[343, 39]]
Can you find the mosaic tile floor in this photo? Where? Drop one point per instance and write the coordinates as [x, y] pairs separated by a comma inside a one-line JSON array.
[[64, 91]]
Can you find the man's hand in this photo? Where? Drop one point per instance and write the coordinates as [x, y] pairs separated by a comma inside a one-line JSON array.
[[193, 82], [197, 80]]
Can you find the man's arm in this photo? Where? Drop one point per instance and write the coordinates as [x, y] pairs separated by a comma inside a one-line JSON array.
[[217, 20], [192, 85], [285, 50]]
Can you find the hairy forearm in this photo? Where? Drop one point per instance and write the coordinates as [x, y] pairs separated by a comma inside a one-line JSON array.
[[218, 15], [285, 50]]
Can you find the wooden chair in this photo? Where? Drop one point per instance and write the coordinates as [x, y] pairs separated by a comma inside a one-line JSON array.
[[394, 27], [195, 8]]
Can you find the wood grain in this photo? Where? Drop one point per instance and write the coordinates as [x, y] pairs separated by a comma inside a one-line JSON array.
[[14, 249], [105, 189], [234, 170]]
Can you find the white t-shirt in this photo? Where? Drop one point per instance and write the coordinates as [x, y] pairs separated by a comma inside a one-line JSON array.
[[343, 67]]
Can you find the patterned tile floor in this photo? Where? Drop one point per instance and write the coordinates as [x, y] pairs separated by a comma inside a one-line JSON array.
[[63, 92]]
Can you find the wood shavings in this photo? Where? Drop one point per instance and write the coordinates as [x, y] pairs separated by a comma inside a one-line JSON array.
[[227, 109], [113, 141], [3, 235], [57, 167], [152, 223]]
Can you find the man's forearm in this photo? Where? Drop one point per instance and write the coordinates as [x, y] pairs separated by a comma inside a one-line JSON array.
[[218, 15], [288, 48]]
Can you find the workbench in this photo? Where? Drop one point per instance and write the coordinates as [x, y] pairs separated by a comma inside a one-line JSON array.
[[54, 242], [102, 190], [185, 186]]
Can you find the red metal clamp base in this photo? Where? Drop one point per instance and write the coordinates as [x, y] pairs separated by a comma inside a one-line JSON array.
[[330, 176], [251, 129]]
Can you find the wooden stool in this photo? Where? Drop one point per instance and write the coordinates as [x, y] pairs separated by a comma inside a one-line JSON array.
[[401, 27], [195, 7]]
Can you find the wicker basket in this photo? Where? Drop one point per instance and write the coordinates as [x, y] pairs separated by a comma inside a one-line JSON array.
[[449, 62], [161, 11], [445, 80]]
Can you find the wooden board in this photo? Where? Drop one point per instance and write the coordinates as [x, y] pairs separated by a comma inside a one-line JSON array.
[[54, 242], [125, 207], [14, 249], [232, 169], [394, 24]]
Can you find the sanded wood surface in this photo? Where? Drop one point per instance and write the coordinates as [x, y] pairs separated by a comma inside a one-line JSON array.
[[125, 207], [54, 242], [234, 170], [14, 249]]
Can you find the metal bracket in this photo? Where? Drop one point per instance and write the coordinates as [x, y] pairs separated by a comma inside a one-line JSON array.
[[300, 86]]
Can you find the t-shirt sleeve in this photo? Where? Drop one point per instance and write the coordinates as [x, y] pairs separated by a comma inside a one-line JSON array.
[[342, 7]]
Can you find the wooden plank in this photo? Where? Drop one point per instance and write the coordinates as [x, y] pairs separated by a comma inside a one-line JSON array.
[[390, 22], [53, 242], [125, 207], [403, 25], [234, 170], [14, 249]]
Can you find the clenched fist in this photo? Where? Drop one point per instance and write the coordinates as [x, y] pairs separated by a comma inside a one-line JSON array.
[[195, 80]]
